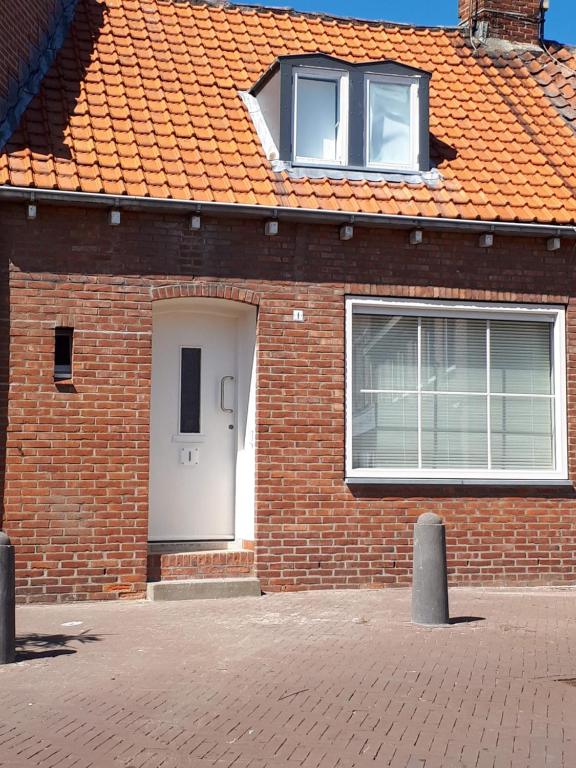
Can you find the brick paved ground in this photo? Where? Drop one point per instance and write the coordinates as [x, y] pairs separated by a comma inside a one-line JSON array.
[[310, 680]]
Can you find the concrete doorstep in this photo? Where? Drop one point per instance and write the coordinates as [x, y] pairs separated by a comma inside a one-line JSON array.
[[203, 589]]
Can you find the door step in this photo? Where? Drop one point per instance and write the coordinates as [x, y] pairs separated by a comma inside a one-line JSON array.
[[205, 564], [203, 589]]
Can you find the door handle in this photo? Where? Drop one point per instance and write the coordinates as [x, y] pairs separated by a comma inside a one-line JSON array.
[[223, 381]]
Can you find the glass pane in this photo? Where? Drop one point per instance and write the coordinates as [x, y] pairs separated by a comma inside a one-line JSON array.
[[522, 433], [385, 432], [385, 352], [317, 118], [190, 390], [454, 432], [453, 355], [521, 357], [389, 123]]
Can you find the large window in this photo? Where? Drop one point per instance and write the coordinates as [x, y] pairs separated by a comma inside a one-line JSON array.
[[455, 391], [321, 115]]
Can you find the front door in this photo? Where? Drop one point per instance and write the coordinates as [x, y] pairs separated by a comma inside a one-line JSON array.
[[193, 426]]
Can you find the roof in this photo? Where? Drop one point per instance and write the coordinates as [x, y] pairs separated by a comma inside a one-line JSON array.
[[144, 99]]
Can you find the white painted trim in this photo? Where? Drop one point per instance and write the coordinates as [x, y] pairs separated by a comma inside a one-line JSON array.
[[341, 77], [483, 310], [440, 308], [261, 126]]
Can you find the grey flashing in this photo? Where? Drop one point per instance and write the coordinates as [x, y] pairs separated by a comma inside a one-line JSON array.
[[28, 83], [320, 58], [431, 179]]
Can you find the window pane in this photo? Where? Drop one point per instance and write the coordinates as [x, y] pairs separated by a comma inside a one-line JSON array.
[[385, 352], [385, 432], [454, 432], [190, 390], [522, 433], [389, 123], [316, 118], [453, 355], [521, 357]]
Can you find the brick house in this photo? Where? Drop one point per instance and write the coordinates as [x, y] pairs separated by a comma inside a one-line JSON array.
[[276, 283]]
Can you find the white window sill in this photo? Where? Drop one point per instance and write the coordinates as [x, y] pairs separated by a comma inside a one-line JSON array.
[[549, 482]]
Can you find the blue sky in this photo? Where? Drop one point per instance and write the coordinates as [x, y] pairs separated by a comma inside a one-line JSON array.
[[560, 20]]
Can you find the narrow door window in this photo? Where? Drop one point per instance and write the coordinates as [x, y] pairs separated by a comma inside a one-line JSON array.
[[190, 390]]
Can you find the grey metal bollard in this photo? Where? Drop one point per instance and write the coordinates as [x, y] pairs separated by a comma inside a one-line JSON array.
[[429, 575], [7, 602]]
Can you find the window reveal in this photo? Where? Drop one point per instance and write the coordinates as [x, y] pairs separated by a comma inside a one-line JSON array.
[[63, 345]]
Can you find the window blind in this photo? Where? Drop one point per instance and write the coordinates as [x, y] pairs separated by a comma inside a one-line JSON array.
[[452, 393]]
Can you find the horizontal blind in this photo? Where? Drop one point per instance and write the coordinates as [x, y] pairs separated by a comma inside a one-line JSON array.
[[521, 357], [442, 393], [521, 365], [384, 398]]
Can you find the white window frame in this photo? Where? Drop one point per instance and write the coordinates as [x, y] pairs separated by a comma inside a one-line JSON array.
[[414, 84], [341, 77], [554, 314]]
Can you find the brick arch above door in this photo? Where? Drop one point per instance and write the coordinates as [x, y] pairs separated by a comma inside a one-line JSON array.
[[205, 289]]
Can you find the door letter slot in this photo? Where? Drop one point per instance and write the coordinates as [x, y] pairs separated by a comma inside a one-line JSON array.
[[190, 456]]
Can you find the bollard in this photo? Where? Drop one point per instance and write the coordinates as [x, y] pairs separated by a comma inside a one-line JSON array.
[[429, 575], [7, 602]]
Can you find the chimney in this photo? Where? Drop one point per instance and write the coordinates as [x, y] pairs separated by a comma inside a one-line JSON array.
[[516, 21]]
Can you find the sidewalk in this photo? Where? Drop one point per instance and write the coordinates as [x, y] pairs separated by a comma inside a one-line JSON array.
[[310, 680]]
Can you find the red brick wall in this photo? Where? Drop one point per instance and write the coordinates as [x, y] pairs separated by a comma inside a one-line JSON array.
[[515, 20], [77, 468], [22, 24]]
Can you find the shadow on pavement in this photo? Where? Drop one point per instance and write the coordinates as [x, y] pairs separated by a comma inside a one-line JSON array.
[[465, 619], [35, 646]]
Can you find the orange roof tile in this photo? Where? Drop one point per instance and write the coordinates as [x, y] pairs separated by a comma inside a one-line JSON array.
[[143, 99]]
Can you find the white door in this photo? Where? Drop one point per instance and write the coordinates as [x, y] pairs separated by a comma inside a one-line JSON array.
[[193, 426]]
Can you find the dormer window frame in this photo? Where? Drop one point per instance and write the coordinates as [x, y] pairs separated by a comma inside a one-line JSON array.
[[331, 74], [275, 93], [413, 83]]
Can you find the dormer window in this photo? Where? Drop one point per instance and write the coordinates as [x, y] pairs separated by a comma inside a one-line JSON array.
[[315, 111], [392, 122], [320, 116]]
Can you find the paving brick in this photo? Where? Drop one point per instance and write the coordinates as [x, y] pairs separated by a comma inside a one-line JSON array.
[[293, 681]]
